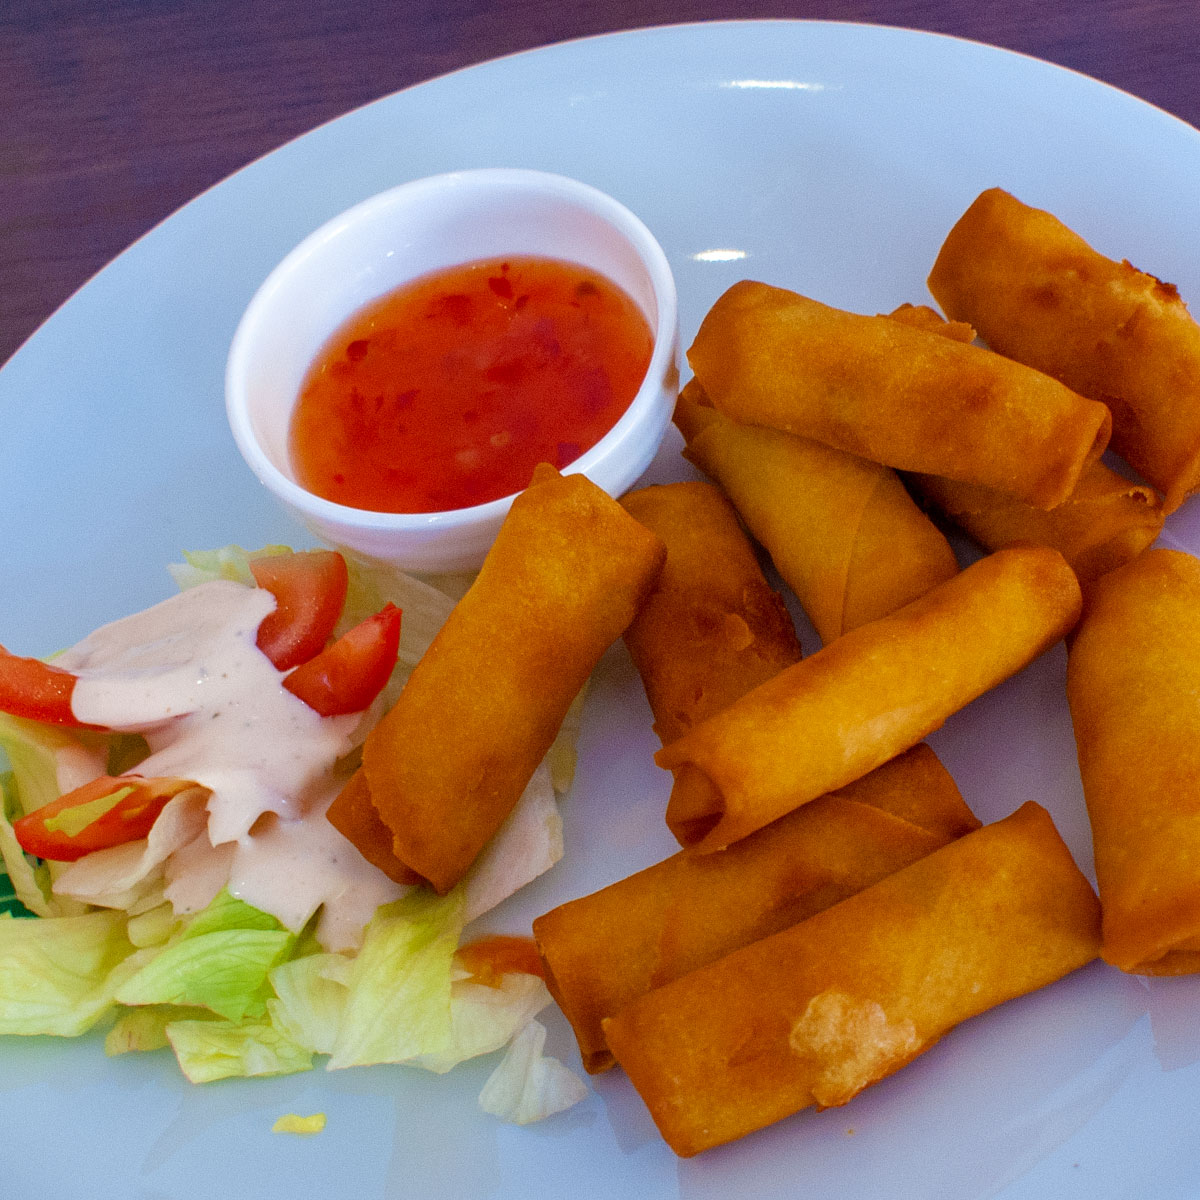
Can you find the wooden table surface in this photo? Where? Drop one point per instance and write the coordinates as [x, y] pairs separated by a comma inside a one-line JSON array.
[[113, 113]]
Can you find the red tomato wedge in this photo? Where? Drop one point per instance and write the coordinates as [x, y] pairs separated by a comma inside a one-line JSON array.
[[36, 690], [309, 587], [492, 957], [108, 811], [347, 676]]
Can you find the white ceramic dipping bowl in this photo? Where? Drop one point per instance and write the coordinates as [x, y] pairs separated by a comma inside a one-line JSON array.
[[400, 235]]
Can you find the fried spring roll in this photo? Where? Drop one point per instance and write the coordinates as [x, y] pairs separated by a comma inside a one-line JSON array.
[[842, 531], [712, 628], [568, 570], [1038, 293], [1133, 678], [894, 393], [867, 696], [1106, 521], [814, 1014], [604, 950]]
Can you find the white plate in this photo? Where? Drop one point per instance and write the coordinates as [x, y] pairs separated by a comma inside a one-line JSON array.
[[830, 158]]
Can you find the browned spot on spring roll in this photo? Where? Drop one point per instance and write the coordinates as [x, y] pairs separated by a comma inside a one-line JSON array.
[[1038, 293], [563, 579], [1133, 682], [894, 393], [862, 699], [1106, 520], [814, 1014], [842, 532], [712, 628], [604, 950]]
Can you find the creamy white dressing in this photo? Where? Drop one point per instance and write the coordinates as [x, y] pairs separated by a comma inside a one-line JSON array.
[[195, 873], [162, 662], [188, 675], [327, 872]]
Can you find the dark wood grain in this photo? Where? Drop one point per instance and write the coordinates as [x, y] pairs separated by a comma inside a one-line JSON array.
[[113, 113]]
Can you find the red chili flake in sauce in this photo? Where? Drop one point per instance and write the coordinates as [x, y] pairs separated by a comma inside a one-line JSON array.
[[450, 390]]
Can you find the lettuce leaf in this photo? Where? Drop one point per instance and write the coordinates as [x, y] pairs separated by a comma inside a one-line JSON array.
[[399, 999], [58, 976], [209, 1050], [220, 962], [528, 1085], [136, 1030], [483, 1018], [310, 999], [229, 562]]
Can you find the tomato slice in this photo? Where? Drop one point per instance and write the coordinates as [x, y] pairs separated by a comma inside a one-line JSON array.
[[492, 957], [109, 811], [347, 676], [34, 689], [309, 587]]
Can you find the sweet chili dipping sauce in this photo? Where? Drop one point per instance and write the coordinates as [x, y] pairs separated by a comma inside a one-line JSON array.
[[449, 391]]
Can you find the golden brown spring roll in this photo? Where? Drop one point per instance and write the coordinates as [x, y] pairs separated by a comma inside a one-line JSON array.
[[1038, 293], [712, 628], [1133, 678], [842, 531], [814, 1014], [867, 696], [894, 393], [568, 570], [604, 950], [1106, 520]]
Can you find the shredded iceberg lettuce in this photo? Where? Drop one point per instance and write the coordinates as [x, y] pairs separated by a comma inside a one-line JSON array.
[[59, 976], [229, 562], [529, 1085], [230, 990], [210, 1050], [485, 1017], [220, 962], [398, 1005]]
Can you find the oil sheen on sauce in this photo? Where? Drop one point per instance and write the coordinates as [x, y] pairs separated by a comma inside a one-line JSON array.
[[449, 391], [187, 674]]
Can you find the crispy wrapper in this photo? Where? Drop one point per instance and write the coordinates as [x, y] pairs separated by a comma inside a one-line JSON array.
[[1133, 678], [604, 950], [842, 531], [1106, 520], [712, 628], [814, 1014], [1038, 293], [921, 316], [862, 699], [895, 393], [568, 570]]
